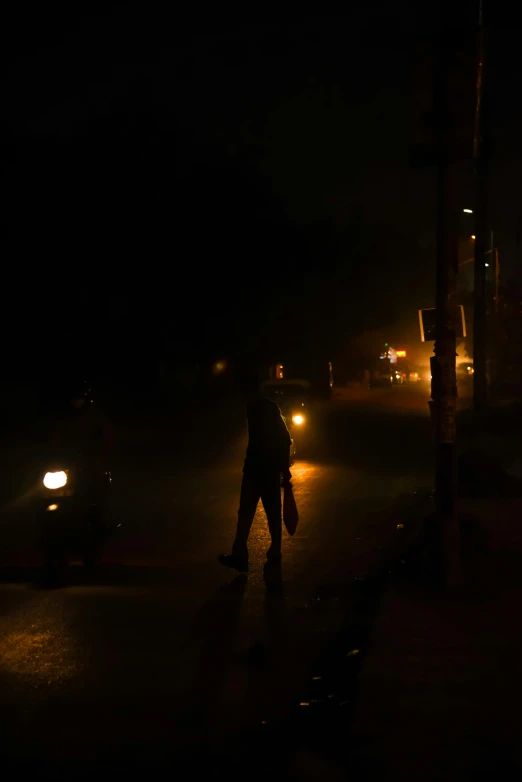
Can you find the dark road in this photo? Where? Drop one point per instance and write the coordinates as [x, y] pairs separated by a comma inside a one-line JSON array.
[[162, 651], [242, 252]]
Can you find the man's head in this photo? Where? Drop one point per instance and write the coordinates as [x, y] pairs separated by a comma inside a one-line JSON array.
[[249, 384]]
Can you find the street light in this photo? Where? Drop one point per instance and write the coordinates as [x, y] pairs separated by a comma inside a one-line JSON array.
[[473, 236], [468, 211]]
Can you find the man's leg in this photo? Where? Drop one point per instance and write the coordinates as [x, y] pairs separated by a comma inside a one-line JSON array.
[[271, 498], [250, 493]]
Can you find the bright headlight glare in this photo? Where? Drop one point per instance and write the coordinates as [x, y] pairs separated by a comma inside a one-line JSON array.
[[55, 480], [298, 419]]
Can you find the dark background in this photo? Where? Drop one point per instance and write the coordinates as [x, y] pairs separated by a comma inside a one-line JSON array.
[[184, 189]]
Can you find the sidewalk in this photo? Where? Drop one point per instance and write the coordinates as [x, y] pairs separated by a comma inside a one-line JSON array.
[[496, 442], [440, 690]]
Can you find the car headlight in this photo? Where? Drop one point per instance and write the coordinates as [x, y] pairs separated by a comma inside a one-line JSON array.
[[55, 480], [298, 419]]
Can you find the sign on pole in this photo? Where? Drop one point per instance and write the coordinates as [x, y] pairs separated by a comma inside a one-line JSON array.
[[427, 322]]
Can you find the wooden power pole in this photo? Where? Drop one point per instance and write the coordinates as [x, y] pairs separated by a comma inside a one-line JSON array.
[[480, 386], [446, 141], [443, 363]]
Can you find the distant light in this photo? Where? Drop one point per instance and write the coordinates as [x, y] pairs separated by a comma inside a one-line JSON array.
[[468, 211], [55, 480], [297, 419], [473, 236], [486, 264], [401, 354], [52, 507], [469, 368], [385, 344], [219, 367]]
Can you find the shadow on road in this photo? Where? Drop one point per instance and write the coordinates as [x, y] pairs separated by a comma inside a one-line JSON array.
[[274, 603], [215, 633]]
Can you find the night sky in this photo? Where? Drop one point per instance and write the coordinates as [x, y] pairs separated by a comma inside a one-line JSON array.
[[188, 188]]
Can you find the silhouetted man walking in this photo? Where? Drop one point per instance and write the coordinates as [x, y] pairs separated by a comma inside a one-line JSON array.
[[267, 459]]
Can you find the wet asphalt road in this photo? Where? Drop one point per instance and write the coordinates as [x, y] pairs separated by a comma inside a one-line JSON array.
[[161, 650]]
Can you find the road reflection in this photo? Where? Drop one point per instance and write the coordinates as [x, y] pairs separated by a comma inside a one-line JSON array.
[[305, 475], [36, 645], [303, 471]]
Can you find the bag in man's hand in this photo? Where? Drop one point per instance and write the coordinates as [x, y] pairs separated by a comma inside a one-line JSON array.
[[290, 514]]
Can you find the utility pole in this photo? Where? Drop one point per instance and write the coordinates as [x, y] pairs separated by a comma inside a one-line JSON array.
[[480, 389], [497, 278], [443, 363]]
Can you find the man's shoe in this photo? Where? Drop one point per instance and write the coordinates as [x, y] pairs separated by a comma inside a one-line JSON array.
[[234, 562]]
